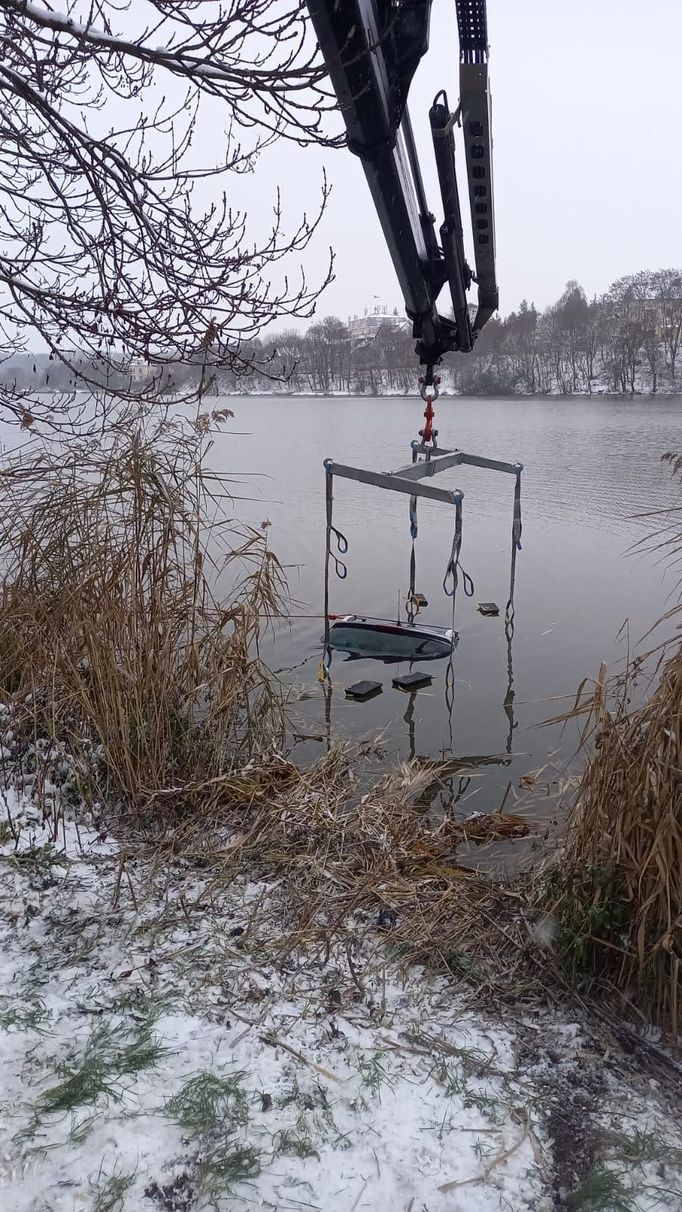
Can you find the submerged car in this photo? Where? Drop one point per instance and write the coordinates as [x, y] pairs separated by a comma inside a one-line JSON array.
[[387, 641]]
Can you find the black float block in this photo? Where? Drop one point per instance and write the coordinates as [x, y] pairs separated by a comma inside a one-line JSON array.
[[412, 681], [360, 691]]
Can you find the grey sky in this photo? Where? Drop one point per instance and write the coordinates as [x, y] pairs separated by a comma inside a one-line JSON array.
[[587, 96]]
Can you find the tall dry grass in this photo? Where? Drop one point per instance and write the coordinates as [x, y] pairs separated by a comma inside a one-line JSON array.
[[112, 638], [620, 897]]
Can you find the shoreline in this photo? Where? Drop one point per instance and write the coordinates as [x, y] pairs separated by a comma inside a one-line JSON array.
[[449, 395]]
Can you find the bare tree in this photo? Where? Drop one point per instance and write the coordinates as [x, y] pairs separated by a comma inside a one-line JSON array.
[[117, 241], [394, 352], [319, 357], [520, 341], [667, 284], [590, 344], [289, 347], [652, 348], [626, 303], [553, 341], [573, 316], [337, 337]]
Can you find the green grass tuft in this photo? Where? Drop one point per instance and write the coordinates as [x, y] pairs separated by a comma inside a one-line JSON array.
[[602, 1190], [373, 1074], [36, 859], [214, 1108], [455, 1085], [81, 1129], [23, 1018], [645, 1146], [109, 1191], [110, 1054], [208, 1102], [227, 1164], [295, 1142]]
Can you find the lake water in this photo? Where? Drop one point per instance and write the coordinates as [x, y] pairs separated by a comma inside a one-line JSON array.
[[591, 466]]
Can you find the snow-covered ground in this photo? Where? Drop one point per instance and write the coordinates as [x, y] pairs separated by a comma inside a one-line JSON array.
[[160, 1051]]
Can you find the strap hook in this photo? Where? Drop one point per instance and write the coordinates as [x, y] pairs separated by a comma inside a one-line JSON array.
[[342, 548]]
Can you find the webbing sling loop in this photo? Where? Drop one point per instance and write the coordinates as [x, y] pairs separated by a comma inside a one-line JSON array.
[[340, 568], [451, 578], [515, 547]]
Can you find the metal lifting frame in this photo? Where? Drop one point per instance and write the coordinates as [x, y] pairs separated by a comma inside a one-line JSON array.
[[407, 479], [372, 49]]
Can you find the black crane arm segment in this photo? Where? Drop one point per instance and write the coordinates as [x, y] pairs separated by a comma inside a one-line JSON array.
[[372, 49]]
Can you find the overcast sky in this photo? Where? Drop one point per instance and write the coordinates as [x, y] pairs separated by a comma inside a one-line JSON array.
[[587, 104]]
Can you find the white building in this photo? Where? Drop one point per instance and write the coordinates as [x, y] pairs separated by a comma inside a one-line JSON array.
[[365, 327], [139, 371]]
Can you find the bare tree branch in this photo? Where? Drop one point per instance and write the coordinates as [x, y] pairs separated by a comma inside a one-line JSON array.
[[117, 239]]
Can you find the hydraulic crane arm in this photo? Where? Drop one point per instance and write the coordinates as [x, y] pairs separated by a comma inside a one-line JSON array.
[[372, 49]]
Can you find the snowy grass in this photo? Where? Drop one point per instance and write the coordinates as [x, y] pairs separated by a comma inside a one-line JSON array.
[[162, 1053]]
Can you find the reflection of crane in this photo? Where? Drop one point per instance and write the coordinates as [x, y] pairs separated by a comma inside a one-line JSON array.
[[372, 49]]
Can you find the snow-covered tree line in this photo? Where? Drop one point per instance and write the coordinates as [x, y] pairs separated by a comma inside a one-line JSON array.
[[626, 340]]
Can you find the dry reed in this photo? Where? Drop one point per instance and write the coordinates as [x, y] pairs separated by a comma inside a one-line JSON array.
[[111, 638], [345, 864], [619, 900], [620, 895]]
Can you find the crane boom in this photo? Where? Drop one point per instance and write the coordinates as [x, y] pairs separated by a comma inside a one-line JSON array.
[[372, 49]]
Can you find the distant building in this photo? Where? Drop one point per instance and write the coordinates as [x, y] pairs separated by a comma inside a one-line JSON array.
[[658, 312], [365, 327], [139, 372]]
